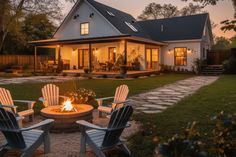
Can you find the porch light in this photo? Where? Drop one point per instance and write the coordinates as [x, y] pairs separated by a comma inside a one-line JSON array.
[[91, 15], [76, 16], [58, 46], [169, 51], [73, 51]]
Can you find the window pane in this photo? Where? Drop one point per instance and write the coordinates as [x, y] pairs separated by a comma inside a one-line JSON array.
[[84, 28], [180, 56]]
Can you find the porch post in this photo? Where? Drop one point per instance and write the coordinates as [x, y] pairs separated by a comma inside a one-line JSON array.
[[90, 57], [60, 64], [125, 52], [35, 58]]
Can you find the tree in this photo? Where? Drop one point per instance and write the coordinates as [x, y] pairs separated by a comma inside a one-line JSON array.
[[191, 9], [13, 12], [232, 42], [37, 27], [221, 43], [155, 11]]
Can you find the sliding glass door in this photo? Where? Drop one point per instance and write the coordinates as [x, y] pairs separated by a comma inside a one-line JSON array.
[[152, 59], [83, 58]]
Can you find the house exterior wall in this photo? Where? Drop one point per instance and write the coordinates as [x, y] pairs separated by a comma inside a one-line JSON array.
[[99, 26], [193, 52]]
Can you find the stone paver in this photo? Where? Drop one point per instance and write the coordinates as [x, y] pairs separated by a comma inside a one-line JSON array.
[[161, 98]]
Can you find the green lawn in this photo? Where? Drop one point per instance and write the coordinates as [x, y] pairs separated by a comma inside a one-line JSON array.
[[201, 106], [102, 87]]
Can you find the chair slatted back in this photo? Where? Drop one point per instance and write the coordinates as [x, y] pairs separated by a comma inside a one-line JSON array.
[[116, 125], [121, 94], [6, 98], [10, 129], [51, 95]]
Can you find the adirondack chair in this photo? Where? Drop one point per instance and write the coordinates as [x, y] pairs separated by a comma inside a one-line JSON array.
[[99, 138], [51, 95], [118, 100], [27, 140], [6, 99]]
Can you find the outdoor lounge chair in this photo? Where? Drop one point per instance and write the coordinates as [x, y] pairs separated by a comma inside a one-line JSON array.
[[118, 100], [51, 95], [6, 99], [26, 140], [99, 138]]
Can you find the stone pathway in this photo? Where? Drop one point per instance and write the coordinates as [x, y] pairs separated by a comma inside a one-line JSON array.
[[38, 79], [159, 99]]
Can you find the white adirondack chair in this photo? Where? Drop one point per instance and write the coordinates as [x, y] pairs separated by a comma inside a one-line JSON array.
[[6, 99], [99, 138], [51, 95], [119, 99], [26, 140]]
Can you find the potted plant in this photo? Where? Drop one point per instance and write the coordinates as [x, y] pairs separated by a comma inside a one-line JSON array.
[[121, 62]]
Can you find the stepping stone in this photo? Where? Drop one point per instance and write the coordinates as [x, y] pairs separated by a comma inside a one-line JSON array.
[[141, 108], [156, 107], [165, 104], [152, 112]]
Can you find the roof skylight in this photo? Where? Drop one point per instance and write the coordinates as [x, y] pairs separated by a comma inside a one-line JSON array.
[[131, 26], [110, 13]]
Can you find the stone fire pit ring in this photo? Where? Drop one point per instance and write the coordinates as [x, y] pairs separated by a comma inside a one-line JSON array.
[[66, 121]]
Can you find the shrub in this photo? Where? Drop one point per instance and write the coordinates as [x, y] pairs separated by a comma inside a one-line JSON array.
[[82, 96], [184, 146], [230, 66]]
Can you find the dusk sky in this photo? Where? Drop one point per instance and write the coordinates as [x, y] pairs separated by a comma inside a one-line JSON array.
[[222, 11]]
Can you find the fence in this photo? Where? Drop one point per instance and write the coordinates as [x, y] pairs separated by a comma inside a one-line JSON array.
[[22, 60], [217, 57]]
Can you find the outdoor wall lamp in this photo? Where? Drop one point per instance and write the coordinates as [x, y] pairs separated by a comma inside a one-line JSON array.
[[91, 15], [76, 16]]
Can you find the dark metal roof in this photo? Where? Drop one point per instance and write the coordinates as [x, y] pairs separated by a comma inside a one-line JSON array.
[[176, 28], [119, 19]]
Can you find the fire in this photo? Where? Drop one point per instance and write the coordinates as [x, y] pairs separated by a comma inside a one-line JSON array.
[[67, 106]]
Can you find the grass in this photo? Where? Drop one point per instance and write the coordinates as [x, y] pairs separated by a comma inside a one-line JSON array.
[[201, 107], [102, 87]]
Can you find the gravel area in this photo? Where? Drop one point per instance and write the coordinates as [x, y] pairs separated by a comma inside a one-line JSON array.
[[68, 144]]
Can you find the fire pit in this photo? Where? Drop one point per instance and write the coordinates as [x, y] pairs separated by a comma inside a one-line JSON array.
[[66, 116]]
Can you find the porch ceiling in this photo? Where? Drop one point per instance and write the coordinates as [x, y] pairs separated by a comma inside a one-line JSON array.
[[94, 40]]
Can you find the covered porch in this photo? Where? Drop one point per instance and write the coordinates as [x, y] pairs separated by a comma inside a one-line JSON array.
[[104, 54]]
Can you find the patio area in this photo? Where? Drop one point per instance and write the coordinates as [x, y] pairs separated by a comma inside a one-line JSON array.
[[68, 144]]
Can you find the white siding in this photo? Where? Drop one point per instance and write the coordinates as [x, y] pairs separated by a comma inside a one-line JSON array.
[[99, 26], [192, 55]]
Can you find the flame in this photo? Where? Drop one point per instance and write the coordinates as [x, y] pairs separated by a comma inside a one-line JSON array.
[[67, 106]]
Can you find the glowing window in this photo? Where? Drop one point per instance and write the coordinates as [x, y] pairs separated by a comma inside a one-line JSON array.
[[180, 56], [84, 28]]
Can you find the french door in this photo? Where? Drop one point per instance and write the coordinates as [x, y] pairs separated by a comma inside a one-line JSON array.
[[83, 58], [152, 59]]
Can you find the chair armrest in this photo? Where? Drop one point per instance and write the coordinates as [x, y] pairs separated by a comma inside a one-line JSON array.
[[28, 102], [88, 125], [39, 125], [12, 107], [100, 100]]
